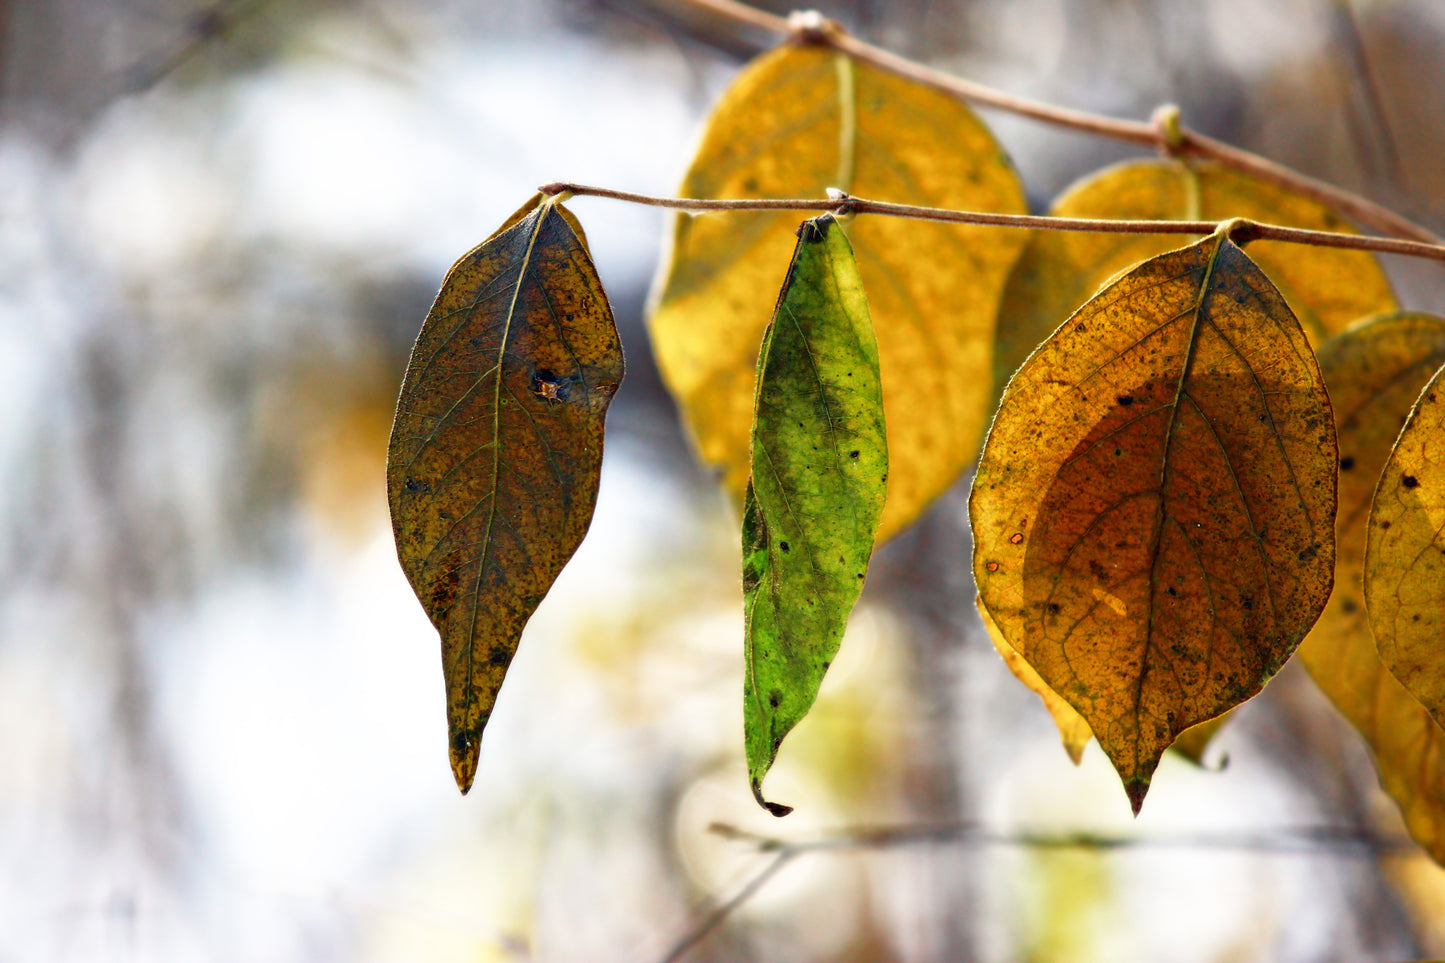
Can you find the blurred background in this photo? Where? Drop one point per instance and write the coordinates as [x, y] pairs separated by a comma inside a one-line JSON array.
[[221, 724]]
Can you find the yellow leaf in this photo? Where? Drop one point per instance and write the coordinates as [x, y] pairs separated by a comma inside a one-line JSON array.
[[496, 448], [1374, 372], [795, 122], [1405, 554], [1073, 730], [1327, 288], [1152, 512]]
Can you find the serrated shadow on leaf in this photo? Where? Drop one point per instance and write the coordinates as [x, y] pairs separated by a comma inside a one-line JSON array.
[[1327, 289], [496, 448], [820, 470], [1375, 371], [796, 121], [1153, 511], [1405, 553]]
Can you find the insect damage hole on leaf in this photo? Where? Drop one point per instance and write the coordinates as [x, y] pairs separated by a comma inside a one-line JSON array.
[[1222, 488], [816, 494], [496, 448]]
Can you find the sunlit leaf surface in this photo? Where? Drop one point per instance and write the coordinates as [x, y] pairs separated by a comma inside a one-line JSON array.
[[1153, 512], [1327, 288], [1375, 372], [1405, 555], [495, 452], [798, 121], [820, 468]]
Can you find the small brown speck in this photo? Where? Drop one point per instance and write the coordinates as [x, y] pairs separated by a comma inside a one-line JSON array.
[[992, 566], [1015, 538]]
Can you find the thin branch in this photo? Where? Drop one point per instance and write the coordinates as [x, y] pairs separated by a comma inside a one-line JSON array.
[[1242, 230], [1302, 840], [1182, 140], [713, 919], [744, 14]]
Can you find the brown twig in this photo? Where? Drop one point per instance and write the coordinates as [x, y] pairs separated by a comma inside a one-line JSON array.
[[1190, 142], [1242, 230]]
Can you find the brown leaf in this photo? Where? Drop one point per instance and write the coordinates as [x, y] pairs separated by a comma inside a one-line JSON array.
[[1152, 513], [495, 452]]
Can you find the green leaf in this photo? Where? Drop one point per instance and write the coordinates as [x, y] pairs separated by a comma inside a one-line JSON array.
[[496, 448], [799, 120], [1153, 513], [820, 471]]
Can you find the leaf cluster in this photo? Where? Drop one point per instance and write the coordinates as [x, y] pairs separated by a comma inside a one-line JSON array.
[[1191, 460]]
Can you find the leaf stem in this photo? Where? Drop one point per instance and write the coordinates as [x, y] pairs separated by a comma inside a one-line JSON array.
[[1242, 231], [1176, 140]]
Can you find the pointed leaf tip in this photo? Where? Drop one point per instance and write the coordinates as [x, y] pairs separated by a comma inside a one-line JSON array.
[[1136, 790], [773, 808], [464, 763], [495, 452]]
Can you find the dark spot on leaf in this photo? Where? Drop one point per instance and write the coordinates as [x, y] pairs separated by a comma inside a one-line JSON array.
[[827, 665], [1125, 400], [774, 698], [1384, 525], [1349, 606], [783, 546], [1172, 592], [1246, 602], [1347, 462], [1415, 617], [414, 486], [1410, 481], [498, 656], [1308, 553], [853, 454], [1097, 570], [1055, 608]]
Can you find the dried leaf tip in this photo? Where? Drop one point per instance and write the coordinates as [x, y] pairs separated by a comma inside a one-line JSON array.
[[1137, 789], [776, 809], [464, 752]]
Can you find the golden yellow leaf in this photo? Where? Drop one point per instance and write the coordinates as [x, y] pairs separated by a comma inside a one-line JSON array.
[[1327, 288], [1074, 731], [1405, 553], [1152, 515], [496, 448], [1374, 372], [797, 121]]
